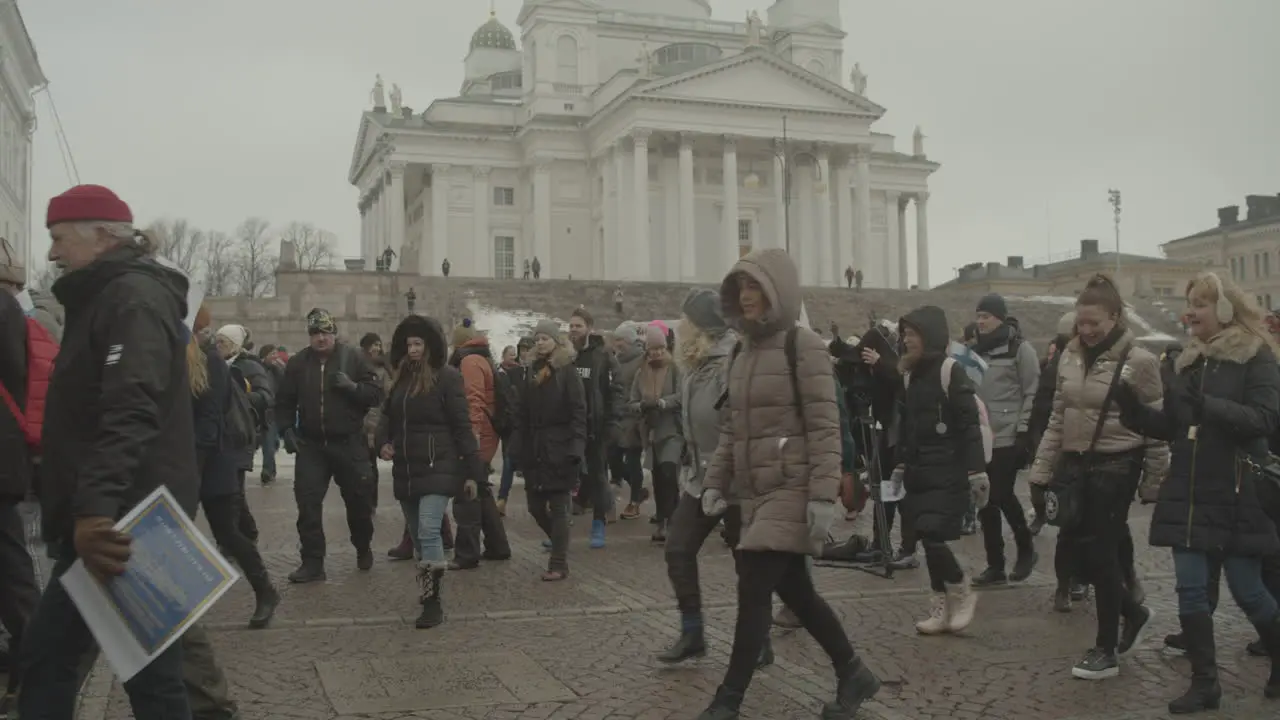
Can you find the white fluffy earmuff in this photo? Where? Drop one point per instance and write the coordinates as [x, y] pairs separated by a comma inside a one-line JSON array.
[[1222, 308]]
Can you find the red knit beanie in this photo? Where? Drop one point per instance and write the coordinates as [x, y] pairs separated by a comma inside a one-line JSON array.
[[86, 203]]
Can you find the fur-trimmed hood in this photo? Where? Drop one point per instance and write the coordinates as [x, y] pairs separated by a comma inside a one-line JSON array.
[[1233, 344], [419, 326], [561, 356]]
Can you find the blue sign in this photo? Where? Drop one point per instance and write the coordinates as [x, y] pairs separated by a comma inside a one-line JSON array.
[[169, 578]]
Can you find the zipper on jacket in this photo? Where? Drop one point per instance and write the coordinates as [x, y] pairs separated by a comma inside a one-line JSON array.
[[746, 412], [404, 434], [1195, 447], [323, 433]]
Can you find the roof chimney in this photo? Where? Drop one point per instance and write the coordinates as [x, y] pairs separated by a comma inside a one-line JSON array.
[[1229, 215], [1262, 206], [1088, 249], [1015, 262]]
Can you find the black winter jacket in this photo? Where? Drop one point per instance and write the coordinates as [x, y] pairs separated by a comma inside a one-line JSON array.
[[550, 437], [217, 463], [599, 371], [1042, 405], [15, 470], [435, 449], [937, 464], [118, 420], [262, 396], [1210, 499], [324, 411]]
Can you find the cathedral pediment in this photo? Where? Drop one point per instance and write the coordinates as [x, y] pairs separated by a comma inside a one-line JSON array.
[[759, 77], [366, 144]]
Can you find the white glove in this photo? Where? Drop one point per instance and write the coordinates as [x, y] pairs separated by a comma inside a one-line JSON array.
[[980, 489], [713, 503], [821, 516]]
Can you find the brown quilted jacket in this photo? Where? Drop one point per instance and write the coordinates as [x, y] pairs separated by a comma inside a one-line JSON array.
[[771, 459]]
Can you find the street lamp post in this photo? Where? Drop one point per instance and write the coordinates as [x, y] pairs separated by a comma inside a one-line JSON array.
[[1113, 197], [752, 180]]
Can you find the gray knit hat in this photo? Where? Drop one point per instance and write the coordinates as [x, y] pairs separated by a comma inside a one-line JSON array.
[[628, 332], [550, 328], [702, 307]]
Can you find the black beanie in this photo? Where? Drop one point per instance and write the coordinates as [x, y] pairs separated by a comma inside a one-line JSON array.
[[993, 304], [702, 307]]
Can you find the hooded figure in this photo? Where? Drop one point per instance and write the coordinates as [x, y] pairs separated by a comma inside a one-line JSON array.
[[779, 457], [248, 369]]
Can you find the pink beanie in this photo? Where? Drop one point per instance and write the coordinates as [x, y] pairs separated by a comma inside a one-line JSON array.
[[654, 337]]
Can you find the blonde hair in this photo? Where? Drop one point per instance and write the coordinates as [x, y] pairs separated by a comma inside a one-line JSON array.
[[1245, 313], [692, 343], [197, 368]]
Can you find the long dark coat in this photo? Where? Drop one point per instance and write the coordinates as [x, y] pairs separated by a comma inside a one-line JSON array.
[[550, 437], [1210, 499], [937, 464], [435, 449], [218, 463]]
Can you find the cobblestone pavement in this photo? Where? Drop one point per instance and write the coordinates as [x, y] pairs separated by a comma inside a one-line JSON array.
[[514, 647]]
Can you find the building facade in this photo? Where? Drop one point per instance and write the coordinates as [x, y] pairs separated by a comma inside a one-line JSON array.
[[632, 140], [1249, 249], [20, 76], [1136, 276]]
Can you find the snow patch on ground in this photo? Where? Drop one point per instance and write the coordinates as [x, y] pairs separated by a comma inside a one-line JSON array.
[[1139, 323], [505, 328]]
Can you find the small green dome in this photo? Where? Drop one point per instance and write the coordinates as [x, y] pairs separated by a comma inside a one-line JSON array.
[[493, 34]]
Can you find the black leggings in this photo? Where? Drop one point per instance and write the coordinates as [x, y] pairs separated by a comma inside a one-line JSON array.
[[943, 567], [760, 574], [908, 531], [666, 489], [1003, 474]]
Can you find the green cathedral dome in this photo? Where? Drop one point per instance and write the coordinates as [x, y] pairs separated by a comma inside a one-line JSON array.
[[493, 34]]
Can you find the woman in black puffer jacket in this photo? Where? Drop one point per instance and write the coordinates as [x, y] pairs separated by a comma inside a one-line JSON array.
[[1220, 408], [425, 431]]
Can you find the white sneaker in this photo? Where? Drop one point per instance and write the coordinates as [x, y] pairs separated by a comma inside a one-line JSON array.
[[963, 602], [938, 621]]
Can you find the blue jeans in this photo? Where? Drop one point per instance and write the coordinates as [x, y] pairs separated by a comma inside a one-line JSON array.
[[1244, 580], [270, 444], [424, 516], [508, 474], [56, 640]]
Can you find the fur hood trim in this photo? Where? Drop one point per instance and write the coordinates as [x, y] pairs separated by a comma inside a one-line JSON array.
[[561, 356], [1234, 344]]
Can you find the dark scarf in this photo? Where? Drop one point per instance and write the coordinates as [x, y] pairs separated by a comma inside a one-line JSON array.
[[994, 339], [1092, 353]]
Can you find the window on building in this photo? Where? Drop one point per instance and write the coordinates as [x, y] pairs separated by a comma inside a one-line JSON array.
[[508, 80], [1234, 275], [504, 196], [567, 59], [1266, 264], [744, 237], [1257, 265], [504, 257]]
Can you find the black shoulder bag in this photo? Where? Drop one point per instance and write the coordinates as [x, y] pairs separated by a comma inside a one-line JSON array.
[[1064, 498]]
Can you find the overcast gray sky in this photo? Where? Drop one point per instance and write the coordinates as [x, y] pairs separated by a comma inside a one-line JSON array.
[[215, 111]]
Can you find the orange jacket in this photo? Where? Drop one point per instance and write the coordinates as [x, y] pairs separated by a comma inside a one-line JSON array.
[[477, 380]]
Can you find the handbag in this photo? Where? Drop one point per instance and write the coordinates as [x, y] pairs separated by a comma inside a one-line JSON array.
[[1064, 497]]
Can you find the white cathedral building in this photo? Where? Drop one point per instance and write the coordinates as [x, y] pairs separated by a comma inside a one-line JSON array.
[[645, 140]]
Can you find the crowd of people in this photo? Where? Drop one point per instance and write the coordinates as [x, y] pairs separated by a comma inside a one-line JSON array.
[[739, 417]]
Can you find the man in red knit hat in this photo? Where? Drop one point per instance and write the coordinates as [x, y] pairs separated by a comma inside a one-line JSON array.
[[118, 424]]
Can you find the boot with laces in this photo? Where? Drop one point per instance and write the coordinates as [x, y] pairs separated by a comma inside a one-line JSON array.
[[430, 578], [939, 620]]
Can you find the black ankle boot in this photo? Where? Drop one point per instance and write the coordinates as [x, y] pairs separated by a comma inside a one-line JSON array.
[[432, 610], [1270, 634], [766, 654], [691, 644], [266, 598], [309, 571], [855, 684], [1205, 693], [724, 706]]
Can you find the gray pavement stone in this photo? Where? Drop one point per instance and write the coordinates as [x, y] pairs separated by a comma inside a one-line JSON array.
[[346, 648]]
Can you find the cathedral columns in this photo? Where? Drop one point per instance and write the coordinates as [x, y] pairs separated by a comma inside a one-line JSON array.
[[542, 217], [922, 240], [643, 237], [895, 241], [781, 189], [862, 209], [481, 244], [688, 247], [670, 181], [843, 188], [826, 269], [439, 215], [729, 216], [395, 210], [621, 214]]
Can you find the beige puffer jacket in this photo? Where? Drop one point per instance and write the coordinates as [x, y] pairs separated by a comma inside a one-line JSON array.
[[769, 460], [1078, 400]]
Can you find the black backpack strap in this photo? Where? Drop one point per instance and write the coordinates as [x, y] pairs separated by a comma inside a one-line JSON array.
[[733, 356], [789, 347]]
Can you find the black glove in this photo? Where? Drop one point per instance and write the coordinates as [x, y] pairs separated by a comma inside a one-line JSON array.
[[1127, 400], [343, 381], [648, 404], [1022, 443], [289, 441]]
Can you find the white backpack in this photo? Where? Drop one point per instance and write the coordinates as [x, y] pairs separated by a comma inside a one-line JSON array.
[[988, 438]]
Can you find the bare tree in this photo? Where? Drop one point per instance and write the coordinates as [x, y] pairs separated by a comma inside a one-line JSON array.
[[43, 277], [315, 248], [219, 264], [255, 263], [179, 242]]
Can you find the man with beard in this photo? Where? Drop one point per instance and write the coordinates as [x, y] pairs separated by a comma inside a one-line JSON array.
[[598, 369], [329, 387]]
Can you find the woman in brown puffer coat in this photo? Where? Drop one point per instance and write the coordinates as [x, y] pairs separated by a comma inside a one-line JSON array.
[[779, 459]]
